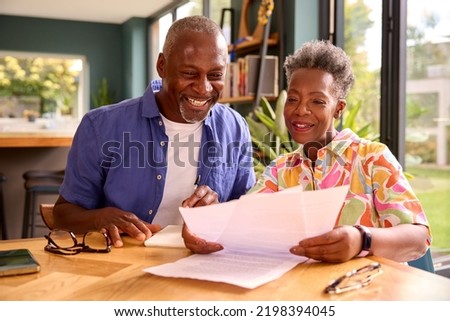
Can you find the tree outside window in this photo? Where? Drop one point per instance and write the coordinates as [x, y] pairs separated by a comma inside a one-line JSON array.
[[38, 85]]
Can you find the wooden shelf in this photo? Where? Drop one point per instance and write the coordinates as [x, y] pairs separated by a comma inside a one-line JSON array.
[[242, 99], [254, 44]]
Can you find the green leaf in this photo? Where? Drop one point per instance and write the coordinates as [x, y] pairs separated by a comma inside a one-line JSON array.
[[264, 148], [365, 131], [350, 118], [266, 107], [280, 124], [267, 121], [257, 129]]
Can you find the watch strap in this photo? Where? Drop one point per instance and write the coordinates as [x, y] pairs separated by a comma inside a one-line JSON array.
[[366, 240]]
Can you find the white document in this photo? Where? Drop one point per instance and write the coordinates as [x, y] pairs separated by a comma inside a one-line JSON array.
[[169, 236], [257, 232], [244, 269]]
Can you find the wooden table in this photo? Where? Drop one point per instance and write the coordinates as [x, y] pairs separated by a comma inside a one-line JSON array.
[[118, 276]]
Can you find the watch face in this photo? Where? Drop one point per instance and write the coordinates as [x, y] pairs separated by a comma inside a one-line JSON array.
[[367, 241], [366, 237]]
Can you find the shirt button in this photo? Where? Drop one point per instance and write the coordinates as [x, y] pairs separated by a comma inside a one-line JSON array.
[[150, 212], [160, 123], [159, 177], [162, 143]]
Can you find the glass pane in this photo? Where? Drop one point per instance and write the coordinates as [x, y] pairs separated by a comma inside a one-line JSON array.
[[164, 24], [428, 112], [36, 85], [362, 42], [193, 7], [158, 31], [216, 15]]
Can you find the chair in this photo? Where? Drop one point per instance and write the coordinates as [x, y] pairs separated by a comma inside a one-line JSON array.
[[38, 183], [2, 208], [46, 211], [424, 263]]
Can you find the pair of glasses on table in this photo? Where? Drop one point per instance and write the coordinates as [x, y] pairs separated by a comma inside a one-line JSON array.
[[66, 243], [355, 279]]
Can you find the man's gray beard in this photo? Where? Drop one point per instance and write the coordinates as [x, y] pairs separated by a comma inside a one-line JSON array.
[[191, 120]]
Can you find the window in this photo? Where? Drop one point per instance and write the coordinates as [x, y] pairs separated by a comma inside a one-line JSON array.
[[192, 8], [158, 28], [362, 42], [427, 105], [427, 115], [428, 81], [42, 85]]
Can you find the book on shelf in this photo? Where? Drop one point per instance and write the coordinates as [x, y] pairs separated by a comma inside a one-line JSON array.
[[242, 77], [269, 86]]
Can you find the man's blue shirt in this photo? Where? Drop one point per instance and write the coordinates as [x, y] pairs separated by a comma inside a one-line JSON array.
[[118, 157]]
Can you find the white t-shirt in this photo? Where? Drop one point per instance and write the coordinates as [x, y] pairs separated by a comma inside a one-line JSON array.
[[182, 165]]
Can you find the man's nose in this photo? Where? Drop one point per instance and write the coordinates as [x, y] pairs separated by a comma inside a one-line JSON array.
[[203, 85]]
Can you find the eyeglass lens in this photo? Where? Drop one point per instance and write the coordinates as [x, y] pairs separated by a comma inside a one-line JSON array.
[[63, 239], [355, 279], [95, 241]]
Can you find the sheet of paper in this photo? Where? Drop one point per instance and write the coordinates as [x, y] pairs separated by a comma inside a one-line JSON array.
[[264, 226], [169, 236], [274, 221], [244, 269]]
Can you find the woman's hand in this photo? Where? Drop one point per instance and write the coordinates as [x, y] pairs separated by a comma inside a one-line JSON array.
[[339, 245]]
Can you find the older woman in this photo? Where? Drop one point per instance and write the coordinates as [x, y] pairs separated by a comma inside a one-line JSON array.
[[381, 215]]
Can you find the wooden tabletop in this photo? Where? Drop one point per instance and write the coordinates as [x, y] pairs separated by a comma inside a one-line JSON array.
[[118, 275], [19, 132], [35, 140]]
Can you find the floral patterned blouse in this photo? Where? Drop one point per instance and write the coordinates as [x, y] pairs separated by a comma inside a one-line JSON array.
[[379, 193]]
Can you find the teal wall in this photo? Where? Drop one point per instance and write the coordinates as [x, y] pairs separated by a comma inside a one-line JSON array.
[[100, 43], [135, 56], [119, 53], [301, 23]]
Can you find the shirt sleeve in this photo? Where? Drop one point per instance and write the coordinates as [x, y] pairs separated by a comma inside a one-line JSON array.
[[245, 177], [394, 198], [83, 179]]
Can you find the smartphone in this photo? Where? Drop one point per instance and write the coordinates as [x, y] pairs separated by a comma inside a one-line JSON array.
[[19, 261]]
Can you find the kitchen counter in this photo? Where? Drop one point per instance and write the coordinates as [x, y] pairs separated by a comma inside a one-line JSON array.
[[19, 132]]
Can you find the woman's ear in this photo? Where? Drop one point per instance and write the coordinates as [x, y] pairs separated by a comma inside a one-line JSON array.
[[342, 103]]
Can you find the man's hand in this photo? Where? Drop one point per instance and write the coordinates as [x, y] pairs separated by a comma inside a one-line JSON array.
[[198, 245], [202, 196], [114, 221]]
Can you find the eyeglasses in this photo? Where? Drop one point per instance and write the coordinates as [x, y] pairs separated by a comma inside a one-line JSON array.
[[354, 279], [66, 243]]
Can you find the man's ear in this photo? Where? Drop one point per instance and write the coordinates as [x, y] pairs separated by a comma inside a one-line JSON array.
[[161, 65]]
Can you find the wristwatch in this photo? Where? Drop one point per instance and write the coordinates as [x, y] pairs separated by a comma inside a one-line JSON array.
[[366, 240]]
